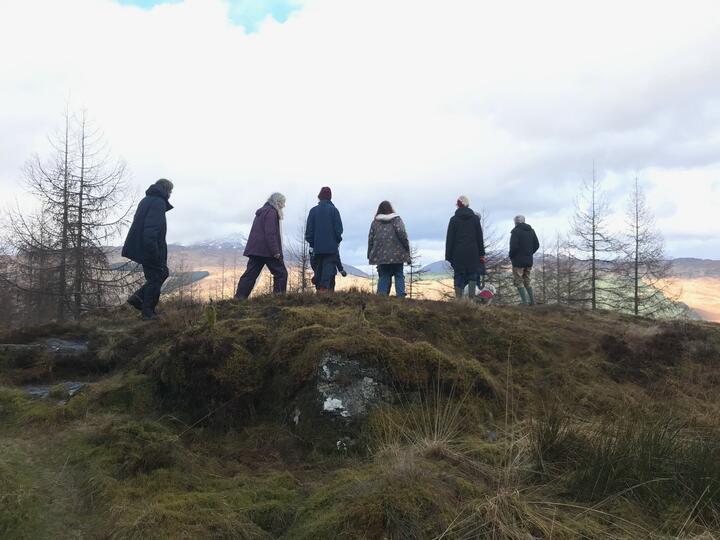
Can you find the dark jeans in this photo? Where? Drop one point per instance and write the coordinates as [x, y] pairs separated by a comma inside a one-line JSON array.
[[386, 272], [155, 276], [254, 267], [324, 267], [463, 278]]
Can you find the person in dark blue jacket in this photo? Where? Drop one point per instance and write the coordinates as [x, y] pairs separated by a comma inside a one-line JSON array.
[[523, 245], [146, 245], [323, 233]]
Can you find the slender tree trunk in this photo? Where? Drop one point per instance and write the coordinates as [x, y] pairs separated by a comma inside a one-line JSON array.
[[636, 261], [65, 231], [79, 263]]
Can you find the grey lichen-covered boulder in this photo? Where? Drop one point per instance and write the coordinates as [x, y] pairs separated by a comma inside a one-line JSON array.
[[338, 401], [44, 358]]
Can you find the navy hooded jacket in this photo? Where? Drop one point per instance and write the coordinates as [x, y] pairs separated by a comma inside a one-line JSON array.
[[324, 228], [145, 242], [523, 245]]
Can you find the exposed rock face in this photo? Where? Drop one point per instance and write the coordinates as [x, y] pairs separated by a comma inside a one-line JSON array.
[[349, 390], [340, 399]]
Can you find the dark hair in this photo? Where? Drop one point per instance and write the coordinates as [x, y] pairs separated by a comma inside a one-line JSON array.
[[385, 208]]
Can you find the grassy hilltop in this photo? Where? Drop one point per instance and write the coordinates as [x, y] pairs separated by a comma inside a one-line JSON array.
[[494, 422]]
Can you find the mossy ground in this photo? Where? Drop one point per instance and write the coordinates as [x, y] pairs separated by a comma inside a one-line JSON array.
[[509, 423]]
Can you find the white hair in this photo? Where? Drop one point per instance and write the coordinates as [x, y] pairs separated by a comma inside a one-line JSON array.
[[519, 219], [462, 199], [277, 201]]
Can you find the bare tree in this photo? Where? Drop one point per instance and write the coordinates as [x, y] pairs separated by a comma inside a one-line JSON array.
[[298, 256], [82, 203], [415, 273], [645, 268], [594, 245]]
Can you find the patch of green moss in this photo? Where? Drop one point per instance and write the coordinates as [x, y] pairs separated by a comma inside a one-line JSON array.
[[136, 447], [131, 392]]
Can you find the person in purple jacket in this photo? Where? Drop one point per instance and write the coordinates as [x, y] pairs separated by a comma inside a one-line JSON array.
[[264, 248]]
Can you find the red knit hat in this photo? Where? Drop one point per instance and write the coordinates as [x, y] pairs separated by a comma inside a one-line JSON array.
[[325, 194]]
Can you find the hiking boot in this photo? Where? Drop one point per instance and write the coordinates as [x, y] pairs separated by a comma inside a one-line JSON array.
[[135, 301], [150, 317]]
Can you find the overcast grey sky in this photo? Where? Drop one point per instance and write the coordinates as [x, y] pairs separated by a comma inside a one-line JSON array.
[[410, 100]]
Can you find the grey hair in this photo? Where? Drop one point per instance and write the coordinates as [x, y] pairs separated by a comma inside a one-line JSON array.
[[277, 201], [519, 219], [463, 199], [165, 185]]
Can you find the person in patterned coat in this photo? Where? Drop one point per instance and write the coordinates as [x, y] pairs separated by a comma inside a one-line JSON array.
[[389, 249]]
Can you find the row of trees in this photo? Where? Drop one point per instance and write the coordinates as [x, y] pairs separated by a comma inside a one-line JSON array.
[[595, 266]]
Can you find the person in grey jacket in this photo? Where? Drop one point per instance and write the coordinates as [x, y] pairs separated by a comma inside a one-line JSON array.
[[389, 249]]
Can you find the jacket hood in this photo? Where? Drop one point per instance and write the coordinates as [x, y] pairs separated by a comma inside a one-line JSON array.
[[155, 191], [523, 227], [386, 217], [465, 213], [325, 202]]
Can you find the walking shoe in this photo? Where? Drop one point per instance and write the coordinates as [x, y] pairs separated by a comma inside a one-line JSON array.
[[135, 301], [149, 317]]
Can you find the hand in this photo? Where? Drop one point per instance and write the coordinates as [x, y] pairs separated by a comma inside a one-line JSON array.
[[278, 256], [482, 260]]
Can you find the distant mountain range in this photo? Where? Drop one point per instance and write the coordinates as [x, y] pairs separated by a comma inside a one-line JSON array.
[[684, 267], [696, 268]]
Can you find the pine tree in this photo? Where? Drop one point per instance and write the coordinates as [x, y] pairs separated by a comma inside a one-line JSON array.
[[645, 269], [595, 247], [60, 249]]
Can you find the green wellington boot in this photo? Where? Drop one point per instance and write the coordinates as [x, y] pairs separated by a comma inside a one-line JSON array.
[[523, 295], [531, 296]]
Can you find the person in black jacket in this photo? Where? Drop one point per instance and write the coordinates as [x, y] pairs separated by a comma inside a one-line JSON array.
[[464, 247], [146, 245], [523, 245]]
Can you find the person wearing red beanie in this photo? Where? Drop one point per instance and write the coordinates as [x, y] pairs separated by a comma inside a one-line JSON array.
[[325, 194], [323, 232]]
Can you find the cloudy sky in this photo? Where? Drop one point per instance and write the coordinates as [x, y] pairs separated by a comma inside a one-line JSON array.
[[415, 101]]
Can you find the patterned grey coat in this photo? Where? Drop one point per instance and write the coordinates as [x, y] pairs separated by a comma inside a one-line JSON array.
[[388, 241]]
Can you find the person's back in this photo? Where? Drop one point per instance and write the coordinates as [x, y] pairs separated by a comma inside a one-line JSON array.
[[523, 245], [323, 232], [324, 228], [146, 238], [388, 248], [465, 246]]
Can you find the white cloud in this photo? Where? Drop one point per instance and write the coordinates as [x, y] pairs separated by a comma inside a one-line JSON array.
[[410, 100]]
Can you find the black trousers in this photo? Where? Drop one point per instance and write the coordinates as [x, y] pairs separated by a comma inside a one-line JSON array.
[[254, 267], [155, 276]]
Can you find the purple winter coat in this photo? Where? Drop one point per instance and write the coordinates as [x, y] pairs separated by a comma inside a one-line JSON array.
[[264, 239]]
